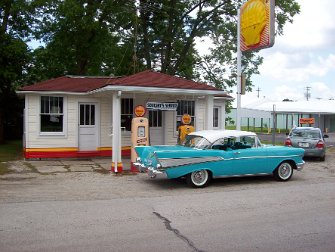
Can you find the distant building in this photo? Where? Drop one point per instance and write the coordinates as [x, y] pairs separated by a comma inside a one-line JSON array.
[[288, 114]]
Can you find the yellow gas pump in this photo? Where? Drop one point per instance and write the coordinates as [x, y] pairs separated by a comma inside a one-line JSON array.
[[139, 137], [185, 128]]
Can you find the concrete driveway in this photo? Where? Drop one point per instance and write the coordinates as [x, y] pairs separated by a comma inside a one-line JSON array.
[[52, 166]]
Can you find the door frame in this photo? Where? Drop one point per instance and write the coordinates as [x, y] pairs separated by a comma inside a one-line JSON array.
[[161, 128], [97, 123]]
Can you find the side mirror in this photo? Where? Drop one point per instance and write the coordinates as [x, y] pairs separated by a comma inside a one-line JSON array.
[[286, 133], [325, 136]]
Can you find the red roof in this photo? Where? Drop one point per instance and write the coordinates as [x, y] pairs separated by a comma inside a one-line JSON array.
[[146, 78], [68, 84]]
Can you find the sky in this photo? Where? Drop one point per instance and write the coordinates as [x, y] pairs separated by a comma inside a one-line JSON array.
[[303, 57]]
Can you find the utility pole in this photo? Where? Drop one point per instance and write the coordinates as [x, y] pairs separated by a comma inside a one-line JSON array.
[[239, 72], [258, 90], [135, 43], [307, 94]]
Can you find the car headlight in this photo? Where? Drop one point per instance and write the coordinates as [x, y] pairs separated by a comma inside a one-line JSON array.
[[158, 166]]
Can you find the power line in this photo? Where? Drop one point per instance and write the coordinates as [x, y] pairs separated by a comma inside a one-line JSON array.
[[258, 90], [307, 94]]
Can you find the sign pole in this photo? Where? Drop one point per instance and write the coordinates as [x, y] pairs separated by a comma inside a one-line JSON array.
[[239, 73], [274, 115]]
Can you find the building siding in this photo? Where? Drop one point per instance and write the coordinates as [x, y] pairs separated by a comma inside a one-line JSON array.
[[70, 138]]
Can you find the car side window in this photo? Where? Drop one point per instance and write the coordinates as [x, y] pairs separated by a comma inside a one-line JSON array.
[[236, 143], [223, 144], [241, 145], [245, 142]]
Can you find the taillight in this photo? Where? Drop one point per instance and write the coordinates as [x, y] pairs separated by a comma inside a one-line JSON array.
[[320, 145], [288, 142]]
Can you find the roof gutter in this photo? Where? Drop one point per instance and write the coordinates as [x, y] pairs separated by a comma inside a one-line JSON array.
[[51, 92], [160, 90], [135, 89]]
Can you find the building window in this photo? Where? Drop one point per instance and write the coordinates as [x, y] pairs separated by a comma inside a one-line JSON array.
[[155, 118], [127, 108], [216, 117], [185, 107], [51, 114], [87, 114]]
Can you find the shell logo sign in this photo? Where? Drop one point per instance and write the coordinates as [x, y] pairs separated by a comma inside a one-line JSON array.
[[257, 24], [139, 111], [186, 119]]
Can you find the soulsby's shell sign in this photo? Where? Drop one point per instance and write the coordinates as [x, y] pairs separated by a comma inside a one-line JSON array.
[[257, 24]]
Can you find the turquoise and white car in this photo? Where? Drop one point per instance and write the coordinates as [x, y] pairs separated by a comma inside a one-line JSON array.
[[219, 153]]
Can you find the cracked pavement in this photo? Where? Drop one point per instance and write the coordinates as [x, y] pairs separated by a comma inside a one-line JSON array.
[[96, 211]]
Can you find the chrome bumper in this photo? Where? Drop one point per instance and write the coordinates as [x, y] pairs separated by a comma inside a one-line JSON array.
[[140, 167], [154, 172], [300, 166]]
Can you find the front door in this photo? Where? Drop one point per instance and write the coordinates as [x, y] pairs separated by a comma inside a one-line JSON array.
[[156, 127], [87, 127]]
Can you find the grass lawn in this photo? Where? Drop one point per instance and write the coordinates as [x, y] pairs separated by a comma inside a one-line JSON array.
[[10, 150]]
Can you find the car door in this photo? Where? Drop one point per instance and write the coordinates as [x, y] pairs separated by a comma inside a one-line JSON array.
[[249, 161], [222, 168]]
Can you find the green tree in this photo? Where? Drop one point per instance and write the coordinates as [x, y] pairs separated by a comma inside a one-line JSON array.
[[219, 66], [168, 31], [15, 21], [84, 38], [123, 37]]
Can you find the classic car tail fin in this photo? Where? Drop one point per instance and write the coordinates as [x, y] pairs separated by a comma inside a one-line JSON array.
[[140, 149]]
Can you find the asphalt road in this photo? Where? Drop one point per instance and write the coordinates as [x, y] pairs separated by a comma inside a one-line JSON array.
[[102, 212]]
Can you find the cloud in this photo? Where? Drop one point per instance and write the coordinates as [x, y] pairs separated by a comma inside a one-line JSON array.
[[287, 91], [312, 28], [321, 90], [297, 67], [316, 90], [303, 57]]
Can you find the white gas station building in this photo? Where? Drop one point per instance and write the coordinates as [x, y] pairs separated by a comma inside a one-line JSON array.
[[82, 116]]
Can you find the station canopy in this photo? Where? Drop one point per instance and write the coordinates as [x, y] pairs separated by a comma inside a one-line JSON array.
[[294, 107]]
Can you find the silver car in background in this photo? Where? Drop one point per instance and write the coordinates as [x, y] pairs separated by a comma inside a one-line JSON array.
[[309, 138]]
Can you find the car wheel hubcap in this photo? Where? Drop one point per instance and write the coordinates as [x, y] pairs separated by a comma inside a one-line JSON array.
[[285, 171], [199, 177]]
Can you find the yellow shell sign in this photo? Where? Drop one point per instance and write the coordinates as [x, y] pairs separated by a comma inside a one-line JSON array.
[[257, 24], [186, 119], [139, 110]]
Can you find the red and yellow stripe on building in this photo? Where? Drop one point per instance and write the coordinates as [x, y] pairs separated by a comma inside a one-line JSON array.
[[71, 152]]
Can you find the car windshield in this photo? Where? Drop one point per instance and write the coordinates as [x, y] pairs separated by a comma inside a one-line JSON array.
[[307, 133], [198, 142]]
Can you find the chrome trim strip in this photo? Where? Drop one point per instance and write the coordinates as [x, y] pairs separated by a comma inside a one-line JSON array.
[[175, 162], [284, 156], [243, 175]]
